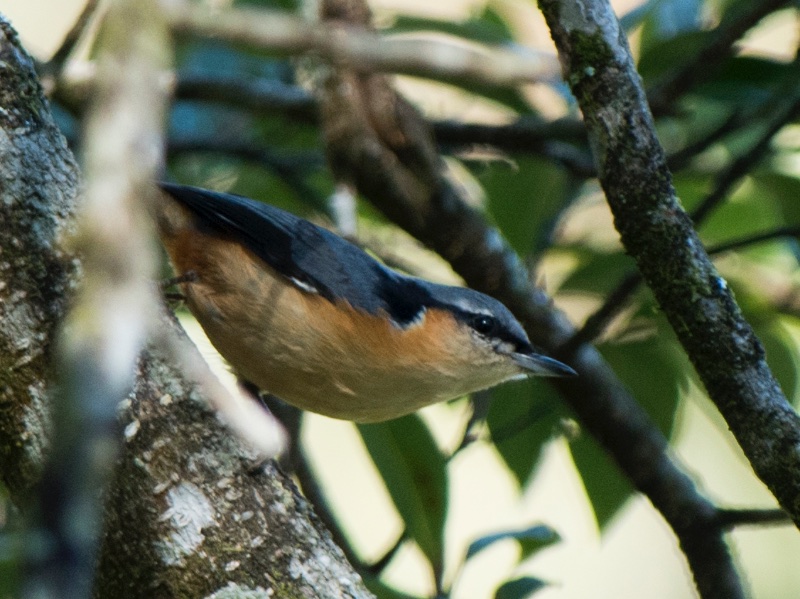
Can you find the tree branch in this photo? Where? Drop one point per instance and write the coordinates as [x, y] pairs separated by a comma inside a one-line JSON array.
[[563, 141], [193, 511], [756, 238], [72, 37], [261, 95], [633, 172], [380, 144], [366, 50]]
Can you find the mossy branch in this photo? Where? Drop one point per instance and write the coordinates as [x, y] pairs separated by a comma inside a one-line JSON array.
[[658, 233]]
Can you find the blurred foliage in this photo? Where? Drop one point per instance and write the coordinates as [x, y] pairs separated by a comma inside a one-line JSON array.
[[530, 540], [415, 473], [544, 210]]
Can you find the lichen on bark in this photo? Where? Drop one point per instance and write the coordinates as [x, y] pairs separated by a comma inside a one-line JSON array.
[[39, 186]]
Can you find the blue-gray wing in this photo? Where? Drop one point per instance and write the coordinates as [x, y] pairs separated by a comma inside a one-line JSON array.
[[310, 256]]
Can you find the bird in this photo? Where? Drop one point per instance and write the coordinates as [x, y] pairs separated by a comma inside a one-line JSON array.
[[311, 318]]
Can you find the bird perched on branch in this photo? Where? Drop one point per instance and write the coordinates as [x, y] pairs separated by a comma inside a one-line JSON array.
[[311, 318]]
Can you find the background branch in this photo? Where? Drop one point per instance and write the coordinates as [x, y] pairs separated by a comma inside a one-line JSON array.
[[280, 31], [403, 180]]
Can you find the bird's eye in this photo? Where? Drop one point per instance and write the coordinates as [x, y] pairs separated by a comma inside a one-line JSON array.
[[483, 324]]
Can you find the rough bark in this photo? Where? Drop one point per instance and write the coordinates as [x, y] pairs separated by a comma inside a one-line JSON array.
[[193, 513], [39, 185]]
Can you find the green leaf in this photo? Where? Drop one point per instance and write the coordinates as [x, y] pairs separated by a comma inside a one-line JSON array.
[[782, 357], [381, 590], [530, 540], [691, 188], [749, 82], [605, 485], [519, 588], [598, 272], [525, 200], [783, 189], [749, 210], [776, 332], [654, 369], [669, 18], [522, 417], [414, 471], [662, 57], [485, 28]]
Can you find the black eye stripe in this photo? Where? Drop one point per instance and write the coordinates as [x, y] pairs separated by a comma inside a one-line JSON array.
[[492, 328]]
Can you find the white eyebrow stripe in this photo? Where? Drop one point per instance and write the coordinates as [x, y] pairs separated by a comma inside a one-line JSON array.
[[465, 305]]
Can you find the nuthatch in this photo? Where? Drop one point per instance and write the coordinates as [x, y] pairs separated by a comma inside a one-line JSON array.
[[311, 318]]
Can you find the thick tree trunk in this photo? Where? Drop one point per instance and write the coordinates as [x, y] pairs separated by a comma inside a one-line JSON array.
[[38, 190]]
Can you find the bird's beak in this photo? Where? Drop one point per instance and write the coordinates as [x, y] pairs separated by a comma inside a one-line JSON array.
[[539, 365]]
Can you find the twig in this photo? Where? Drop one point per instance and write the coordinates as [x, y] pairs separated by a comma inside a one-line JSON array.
[[261, 95], [679, 159], [709, 58], [729, 519], [724, 182], [378, 566], [73, 37], [736, 244], [597, 322], [746, 161], [480, 407], [520, 135]]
